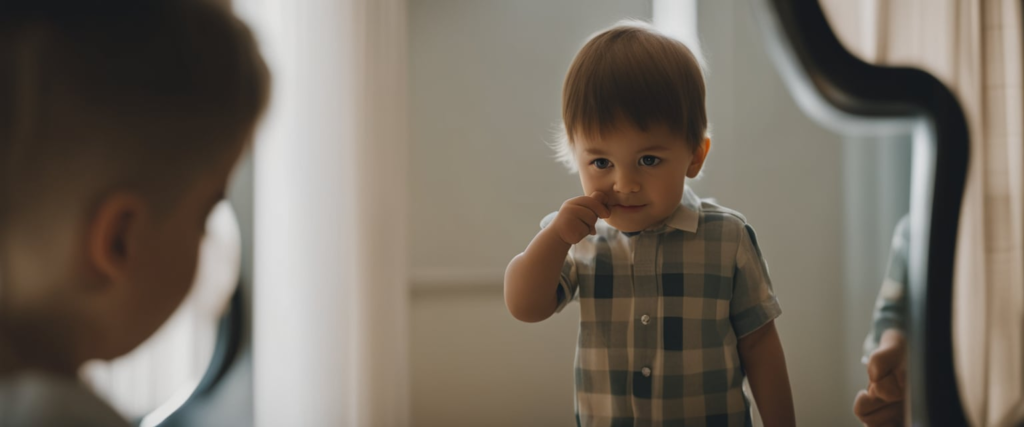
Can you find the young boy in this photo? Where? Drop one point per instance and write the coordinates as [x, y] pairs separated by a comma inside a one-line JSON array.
[[120, 123], [676, 304]]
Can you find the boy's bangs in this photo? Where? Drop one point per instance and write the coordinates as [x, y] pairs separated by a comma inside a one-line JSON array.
[[632, 74]]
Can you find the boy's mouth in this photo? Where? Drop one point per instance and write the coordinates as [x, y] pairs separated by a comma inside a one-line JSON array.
[[629, 208]]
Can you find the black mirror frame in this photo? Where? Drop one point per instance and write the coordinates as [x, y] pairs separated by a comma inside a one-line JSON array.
[[842, 92]]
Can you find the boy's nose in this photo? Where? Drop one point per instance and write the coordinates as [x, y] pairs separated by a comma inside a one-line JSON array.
[[626, 183]]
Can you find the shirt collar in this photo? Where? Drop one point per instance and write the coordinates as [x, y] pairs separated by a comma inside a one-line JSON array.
[[687, 215]]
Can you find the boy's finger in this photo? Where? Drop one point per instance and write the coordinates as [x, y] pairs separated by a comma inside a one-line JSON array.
[[888, 415], [901, 376], [597, 203], [585, 213], [888, 389], [590, 226], [585, 217], [866, 403], [883, 362]]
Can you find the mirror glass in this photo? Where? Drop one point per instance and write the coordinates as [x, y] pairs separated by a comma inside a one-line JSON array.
[[485, 96]]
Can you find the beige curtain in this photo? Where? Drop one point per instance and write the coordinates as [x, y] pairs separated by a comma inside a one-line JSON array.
[[974, 47]]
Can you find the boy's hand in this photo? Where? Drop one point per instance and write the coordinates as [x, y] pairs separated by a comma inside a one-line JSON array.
[[873, 411], [577, 217], [882, 402], [887, 367]]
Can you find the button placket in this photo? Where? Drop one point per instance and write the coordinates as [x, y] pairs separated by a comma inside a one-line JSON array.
[[645, 299]]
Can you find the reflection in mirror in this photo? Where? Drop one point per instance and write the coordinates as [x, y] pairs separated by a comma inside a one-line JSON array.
[[485, 96], [159, 375]]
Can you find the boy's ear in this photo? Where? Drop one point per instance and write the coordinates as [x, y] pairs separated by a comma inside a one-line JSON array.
[[111, 240], [699, 155]]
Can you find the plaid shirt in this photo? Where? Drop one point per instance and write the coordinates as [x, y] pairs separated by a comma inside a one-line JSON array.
[[891, 305], [660, 315]]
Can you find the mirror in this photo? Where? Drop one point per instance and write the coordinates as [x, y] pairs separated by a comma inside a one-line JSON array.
[[824, 194], [847, 93]]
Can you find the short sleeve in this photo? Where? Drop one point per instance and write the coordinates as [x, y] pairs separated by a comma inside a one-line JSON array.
[[753, 302], [567, 283], [891, 304]]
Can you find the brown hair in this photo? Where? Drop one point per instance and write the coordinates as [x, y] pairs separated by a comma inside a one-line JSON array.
[[137, 94], [632, 72]]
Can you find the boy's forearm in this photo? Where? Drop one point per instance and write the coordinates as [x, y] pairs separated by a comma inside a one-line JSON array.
[[765, 367], [531, 278]]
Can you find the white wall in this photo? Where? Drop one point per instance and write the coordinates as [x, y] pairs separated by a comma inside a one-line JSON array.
[[485, 92]]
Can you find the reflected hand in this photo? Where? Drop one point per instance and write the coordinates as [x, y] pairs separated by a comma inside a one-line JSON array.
[[887, 367], [882, 403], [874, 411]]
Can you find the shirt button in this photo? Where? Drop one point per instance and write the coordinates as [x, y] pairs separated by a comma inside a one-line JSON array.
[[646, 371], [645, 319]]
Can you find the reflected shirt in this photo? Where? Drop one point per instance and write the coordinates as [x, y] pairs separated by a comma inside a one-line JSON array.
[[661, 312], [891, 304]]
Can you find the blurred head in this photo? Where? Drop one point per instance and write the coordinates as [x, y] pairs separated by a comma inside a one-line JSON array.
[[120, 126], [635, 122]]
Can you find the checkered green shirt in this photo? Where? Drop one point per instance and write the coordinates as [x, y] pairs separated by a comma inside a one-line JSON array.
[[660, 315]]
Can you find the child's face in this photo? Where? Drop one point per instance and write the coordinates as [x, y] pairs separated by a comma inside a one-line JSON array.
[[642, 173]]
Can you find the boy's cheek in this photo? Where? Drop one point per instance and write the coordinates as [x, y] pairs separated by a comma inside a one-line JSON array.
[[591, 184]]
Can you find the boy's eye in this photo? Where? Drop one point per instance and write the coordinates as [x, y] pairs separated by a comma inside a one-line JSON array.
[[601, 163], [649, 161]]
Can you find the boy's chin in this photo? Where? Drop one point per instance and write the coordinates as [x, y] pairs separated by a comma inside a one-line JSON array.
[[627, 226]]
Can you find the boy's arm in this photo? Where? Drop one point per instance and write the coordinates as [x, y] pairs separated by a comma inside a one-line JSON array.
[[531, 278], [765, 367]]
